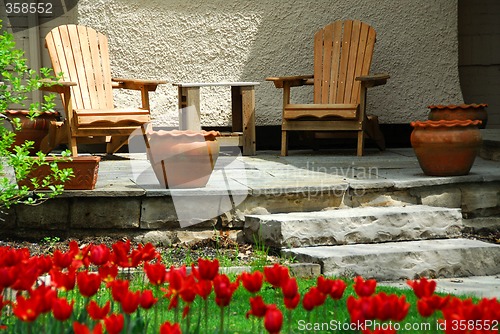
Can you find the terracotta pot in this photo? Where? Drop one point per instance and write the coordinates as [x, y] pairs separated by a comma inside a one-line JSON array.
[[460, 112], [35, 129], [85, 170], [446, 148], [183, 159]]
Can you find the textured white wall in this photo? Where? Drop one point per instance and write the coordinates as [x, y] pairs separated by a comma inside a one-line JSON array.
[[241, 40]]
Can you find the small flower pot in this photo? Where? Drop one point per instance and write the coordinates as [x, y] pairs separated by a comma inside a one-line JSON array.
[[446, 148], [85, 170], [182, 159], [460, 112], [32, 129]]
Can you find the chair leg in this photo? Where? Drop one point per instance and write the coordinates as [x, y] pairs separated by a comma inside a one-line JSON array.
[[73, 146], [116, 143], [284, 143], [361, 139]]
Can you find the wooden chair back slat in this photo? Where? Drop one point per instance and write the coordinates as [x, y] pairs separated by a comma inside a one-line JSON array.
[[81, 54], [342, 52]]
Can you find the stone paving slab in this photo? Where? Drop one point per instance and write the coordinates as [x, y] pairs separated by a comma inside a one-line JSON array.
[[478, 286], [405, 260], [354, 226]]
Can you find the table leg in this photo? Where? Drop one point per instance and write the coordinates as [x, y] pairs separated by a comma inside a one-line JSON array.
[[189, 108], [243, 113]]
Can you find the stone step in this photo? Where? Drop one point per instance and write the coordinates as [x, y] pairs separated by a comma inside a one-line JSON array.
[[405, 260], [490, 148], [354, 226]]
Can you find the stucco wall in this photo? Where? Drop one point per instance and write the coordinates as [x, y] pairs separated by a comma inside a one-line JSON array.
[[219, 40]]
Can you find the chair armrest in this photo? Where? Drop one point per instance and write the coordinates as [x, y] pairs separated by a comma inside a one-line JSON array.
[[373, 79], [297, 80], [56, 86], [136, 84]]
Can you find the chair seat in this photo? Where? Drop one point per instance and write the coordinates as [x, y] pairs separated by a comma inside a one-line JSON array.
[[295, 111], [112, 118]]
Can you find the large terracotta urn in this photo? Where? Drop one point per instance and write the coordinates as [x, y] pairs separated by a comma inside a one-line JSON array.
[[182, 159], [446, 147], [460, 112]]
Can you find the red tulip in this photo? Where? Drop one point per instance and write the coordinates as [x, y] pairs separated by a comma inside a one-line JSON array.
[[156, 273], [207, 270], [204, 288], [63, 281], [273, 320], [425, 307], [30, 274], [44, 296], [313, 298], [121, 254], [168, 328], [257, 307], [99, 255], [224, 290], [108, 272], [148, 252], [252, 282], [114, 323], [188, 290], [8, 275], [147, 299], [10, 257], [364, 288], [130, 301], [88, 283], [338, 289], [96, 312], [27, 309], [61, 309], [422, 288], [80, 255], [276, 275], [62, 260], [118, 289], [291, 303], [324, 285], [290, 288], [79, 328], [389, 307]]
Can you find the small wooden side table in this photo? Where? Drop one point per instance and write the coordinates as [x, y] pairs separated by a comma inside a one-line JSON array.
[[243, 112]]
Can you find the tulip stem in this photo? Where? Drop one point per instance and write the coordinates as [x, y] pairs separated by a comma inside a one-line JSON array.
[[206, 314], [222, 319]]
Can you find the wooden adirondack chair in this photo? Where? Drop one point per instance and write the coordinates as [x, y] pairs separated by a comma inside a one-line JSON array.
[[81, 54], [342, 58]]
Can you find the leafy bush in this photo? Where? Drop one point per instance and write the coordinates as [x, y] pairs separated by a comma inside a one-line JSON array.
[[17, 80]]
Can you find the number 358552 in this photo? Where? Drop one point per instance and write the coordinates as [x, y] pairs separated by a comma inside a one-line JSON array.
[[28, 8]]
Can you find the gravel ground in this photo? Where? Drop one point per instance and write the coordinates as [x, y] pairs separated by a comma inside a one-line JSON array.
[[227, 250]]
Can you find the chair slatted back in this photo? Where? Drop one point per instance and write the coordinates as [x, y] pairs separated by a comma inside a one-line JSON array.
[[342, 51], [81, 54]]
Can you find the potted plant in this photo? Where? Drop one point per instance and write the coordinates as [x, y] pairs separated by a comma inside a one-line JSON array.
[[17, 81]]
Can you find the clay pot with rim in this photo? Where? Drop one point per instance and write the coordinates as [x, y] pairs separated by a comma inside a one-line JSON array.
[[460, 112], [446, 147], [182, 158], [32, 129], [85, 171]]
